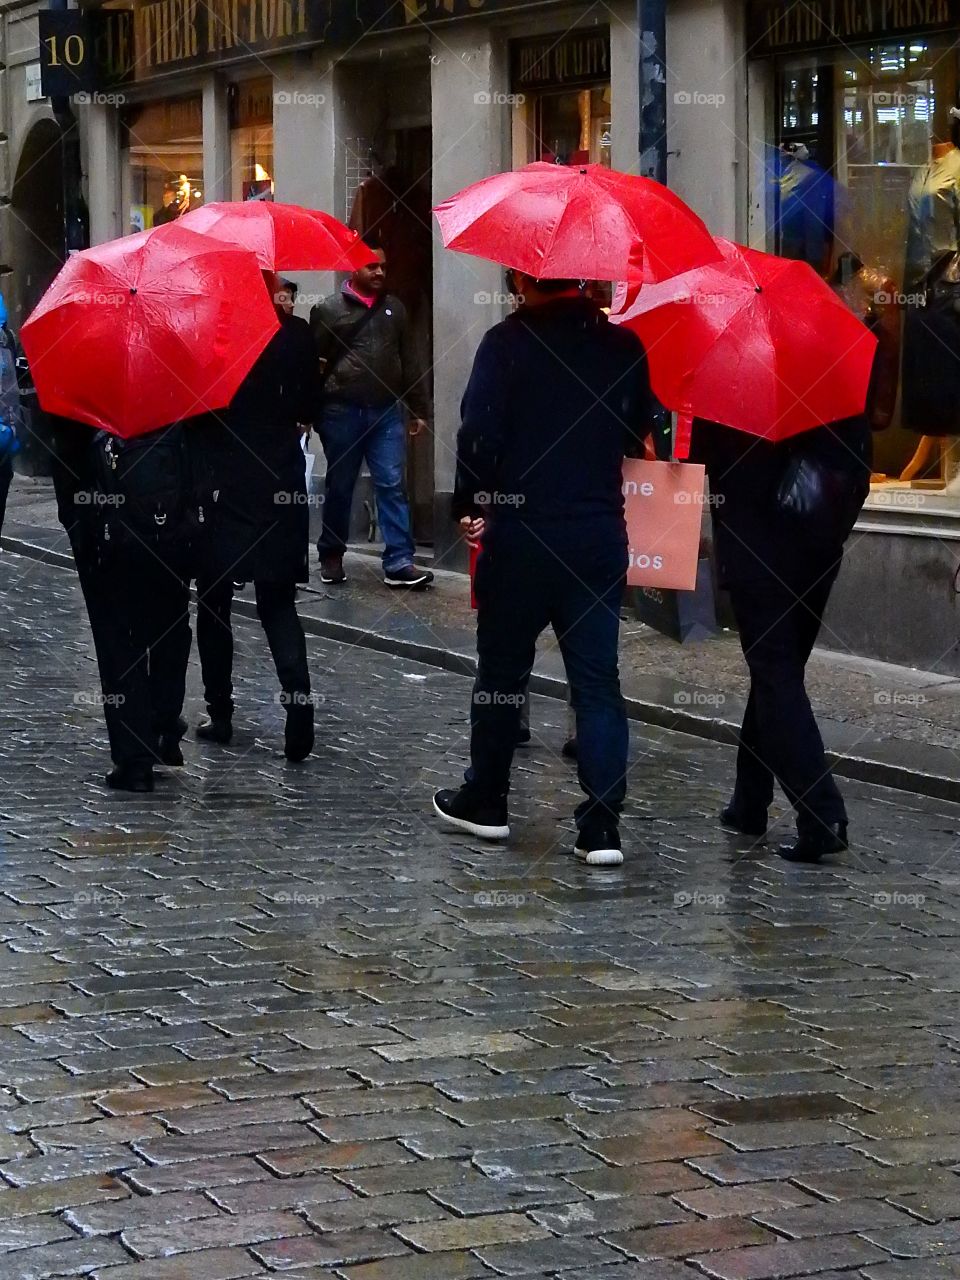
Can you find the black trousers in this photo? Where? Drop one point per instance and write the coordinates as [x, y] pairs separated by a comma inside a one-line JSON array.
[[526, 582], [140, 618], [6, 478], [277, 611], [779, 623]]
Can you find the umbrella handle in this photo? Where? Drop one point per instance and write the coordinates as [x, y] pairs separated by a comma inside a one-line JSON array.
[[681, 448]]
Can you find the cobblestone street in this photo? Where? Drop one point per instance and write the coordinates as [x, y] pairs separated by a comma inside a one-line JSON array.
[[272, 1020]]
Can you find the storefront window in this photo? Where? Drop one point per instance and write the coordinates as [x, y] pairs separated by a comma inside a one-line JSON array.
[[251, 139], [573, 127], [560, 86], [162, 162], [863, 182]]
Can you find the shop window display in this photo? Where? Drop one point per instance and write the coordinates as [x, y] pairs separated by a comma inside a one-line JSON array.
[[251, 139], [162, 160], [863, 183]]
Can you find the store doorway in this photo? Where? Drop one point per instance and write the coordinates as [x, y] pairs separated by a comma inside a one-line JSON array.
[[389, 197], [37, 231]]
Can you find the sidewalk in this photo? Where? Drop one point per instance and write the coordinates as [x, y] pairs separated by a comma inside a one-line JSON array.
[[885, 724]]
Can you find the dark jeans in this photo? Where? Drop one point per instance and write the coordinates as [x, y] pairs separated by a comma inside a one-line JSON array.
[[277, 611], [527, 581], [349, 433], [6, 477], [139, 616], [779, 625]]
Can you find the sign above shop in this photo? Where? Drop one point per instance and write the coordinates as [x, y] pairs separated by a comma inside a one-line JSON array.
[[560, 62], [785, 26], [153, 38]]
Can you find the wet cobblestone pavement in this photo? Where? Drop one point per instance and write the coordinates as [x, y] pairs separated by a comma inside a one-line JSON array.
[[271, 1020]]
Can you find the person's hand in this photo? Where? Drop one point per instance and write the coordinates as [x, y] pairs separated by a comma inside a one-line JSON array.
[[473, 527], [416, 426]]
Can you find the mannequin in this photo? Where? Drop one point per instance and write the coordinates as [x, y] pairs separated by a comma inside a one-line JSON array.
[[872, 295], [931, 346]]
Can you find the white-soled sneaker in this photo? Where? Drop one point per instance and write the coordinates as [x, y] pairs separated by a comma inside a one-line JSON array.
[[600, 848], [462, 810]]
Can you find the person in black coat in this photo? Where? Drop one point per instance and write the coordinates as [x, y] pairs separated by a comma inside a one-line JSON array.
[[779, 569], [255, 528], [556, 396]]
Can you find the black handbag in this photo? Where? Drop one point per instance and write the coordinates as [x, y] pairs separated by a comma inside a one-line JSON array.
[[820, 502]]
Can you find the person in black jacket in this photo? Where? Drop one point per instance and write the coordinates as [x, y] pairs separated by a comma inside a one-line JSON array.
[[554, 398], [779, 571], [256, 528]]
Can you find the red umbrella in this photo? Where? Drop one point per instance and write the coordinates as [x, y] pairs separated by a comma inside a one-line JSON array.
[[148, 329], [284, 237], [583, 223], [755, 342]]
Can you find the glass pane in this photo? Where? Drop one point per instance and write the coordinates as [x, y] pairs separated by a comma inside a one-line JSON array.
[[162, 171]]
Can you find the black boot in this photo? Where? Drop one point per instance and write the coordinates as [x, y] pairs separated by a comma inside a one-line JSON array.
[[815, 842], [131, 778], [298, 735], [217, 724], [748, 824], [168, 750]]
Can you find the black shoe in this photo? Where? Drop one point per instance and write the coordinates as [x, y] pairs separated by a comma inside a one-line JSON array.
[[331, 571], [412, 578], [811, 846], [524, 738], [131, 778], [569, 749], [747, 824], [168, 750], [298, 735], [215, 729], [484, 818], [599, 848]]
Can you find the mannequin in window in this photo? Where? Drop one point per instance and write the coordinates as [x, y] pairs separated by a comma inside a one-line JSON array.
[[931, 343]]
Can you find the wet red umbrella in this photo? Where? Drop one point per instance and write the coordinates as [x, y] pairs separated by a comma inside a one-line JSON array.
[[285, 237], [568, 222], [756, 342], [148, 329]]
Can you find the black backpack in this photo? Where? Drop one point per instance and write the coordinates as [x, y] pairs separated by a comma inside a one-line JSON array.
[[144, 495]]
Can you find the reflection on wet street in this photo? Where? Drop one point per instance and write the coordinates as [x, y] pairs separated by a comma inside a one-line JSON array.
[[271, 1019]]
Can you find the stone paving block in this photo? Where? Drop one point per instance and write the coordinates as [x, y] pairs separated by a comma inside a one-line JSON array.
[[840, 1218], [221, 1231], [930, 1206], [144, 1101], [744, 1200], [689, 1238], [226, 1171], [63, 1194], [34, 1170], [769, 1137], [504, 1195], [208, 1264], [642, 1179], [279, 1193], [518, 1163], [431, 1266], [471, 1233], [336, 1250], [918, 1240], [915, 1269], [25, 1233], [374, 1211], [184, 1071], [96, 1133], [766, 1166], [416, 1175], [334, 1155], [545, 1256], [69, 1257], [442, 1046], [246, 1139], [653, 1148], [356, 1101], [108, 1219], [589, 1218], [227, 1115], [771, 1262]]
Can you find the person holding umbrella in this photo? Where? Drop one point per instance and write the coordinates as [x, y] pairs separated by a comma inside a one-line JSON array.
[[251, 473], [769, 372]]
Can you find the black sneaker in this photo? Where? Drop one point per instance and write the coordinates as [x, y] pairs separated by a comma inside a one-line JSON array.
[[298, 734], [569, 749], [600, 848], [812, 845], [484, 818], [331, 571], [410, 577], [168, 750]]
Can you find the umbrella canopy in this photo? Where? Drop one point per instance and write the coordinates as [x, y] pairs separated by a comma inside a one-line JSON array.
[[755, 342], [148, 329], [583, 223], [285, 237]]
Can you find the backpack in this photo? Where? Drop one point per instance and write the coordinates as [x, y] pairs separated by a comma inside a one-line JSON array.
[[143, 491]]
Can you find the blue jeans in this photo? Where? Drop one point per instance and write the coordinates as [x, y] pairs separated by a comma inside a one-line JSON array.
[[528, 579], [349, 433]]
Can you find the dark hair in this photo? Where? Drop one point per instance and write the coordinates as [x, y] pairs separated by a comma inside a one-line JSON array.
[[290, 286], [373, 242], [557, 286]]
